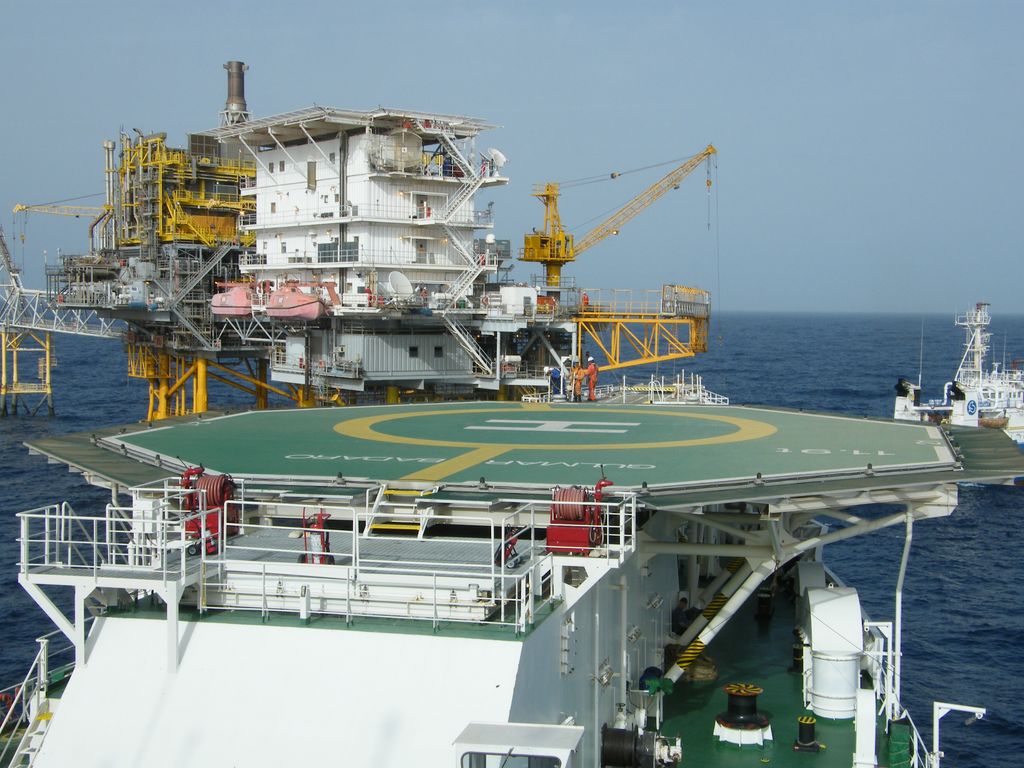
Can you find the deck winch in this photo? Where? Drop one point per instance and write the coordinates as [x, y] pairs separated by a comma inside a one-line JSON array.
[[741, 723], [633, 748]]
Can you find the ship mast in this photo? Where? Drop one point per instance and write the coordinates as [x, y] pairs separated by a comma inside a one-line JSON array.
[[975, 323]]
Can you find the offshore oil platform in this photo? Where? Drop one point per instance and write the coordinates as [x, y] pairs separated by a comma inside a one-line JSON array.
[[329, 256]]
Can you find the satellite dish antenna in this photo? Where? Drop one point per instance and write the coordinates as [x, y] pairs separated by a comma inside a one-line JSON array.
[[497, 157], [399, 286]]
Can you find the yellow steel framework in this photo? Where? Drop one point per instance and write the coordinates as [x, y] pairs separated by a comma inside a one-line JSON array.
[[21, 380], [630, 331], [180, 197], [554, 247], [178, 384]]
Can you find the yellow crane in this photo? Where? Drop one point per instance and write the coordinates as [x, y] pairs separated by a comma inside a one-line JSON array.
[[554, 246], [98, 213], [62, 210]]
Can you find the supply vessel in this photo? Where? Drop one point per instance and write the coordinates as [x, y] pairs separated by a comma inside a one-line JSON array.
[[478, 584], [991, 397]]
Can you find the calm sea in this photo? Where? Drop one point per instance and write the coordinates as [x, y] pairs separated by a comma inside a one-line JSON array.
[[963, 610]]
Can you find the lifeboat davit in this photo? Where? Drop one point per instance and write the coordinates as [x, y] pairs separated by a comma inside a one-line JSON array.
[[291, 303], [236, 301]]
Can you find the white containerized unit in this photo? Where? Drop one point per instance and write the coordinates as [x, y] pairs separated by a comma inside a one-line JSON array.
[[834, 629]]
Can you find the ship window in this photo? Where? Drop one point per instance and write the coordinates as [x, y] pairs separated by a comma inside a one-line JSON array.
[[331, 157], [273, 207], [507, 760], [414, 351], [280, 165], [438, 351], [284, 247], [311, 174]]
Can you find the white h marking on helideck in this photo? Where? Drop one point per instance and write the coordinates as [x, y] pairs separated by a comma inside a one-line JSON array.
[[539, 425]]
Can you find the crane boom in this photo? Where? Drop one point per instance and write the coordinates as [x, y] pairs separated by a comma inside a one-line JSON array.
[[629, 211], [554, 247], [62, 210]]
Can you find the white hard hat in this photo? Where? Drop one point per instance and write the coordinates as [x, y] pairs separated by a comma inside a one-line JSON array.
[[590, 359]]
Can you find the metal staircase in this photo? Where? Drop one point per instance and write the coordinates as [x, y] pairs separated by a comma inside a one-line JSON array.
[[207, 267], [465, 193], [482, 363], [463, 284], [446, 135]]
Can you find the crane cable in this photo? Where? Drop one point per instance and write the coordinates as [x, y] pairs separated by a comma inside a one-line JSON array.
[[718, 258], [616, 174], [69, 199]]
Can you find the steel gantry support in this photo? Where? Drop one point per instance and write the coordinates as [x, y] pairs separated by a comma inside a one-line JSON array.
[[765, 542]]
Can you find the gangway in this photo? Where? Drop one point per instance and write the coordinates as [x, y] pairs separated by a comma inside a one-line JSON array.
[[27, 319]]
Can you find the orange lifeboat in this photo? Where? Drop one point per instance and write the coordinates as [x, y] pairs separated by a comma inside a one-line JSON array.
[[236, 301], [289, 302]]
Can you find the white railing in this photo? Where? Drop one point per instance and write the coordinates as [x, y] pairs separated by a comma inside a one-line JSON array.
[[24, 701], [503, 575], [359, 574], [56, 537], [404, 257], [405, 210]]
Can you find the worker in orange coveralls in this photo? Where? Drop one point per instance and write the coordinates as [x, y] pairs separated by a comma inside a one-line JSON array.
[[591, 377], [577, 382]]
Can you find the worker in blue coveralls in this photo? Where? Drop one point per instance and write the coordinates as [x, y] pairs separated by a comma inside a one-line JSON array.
[[556, 382]]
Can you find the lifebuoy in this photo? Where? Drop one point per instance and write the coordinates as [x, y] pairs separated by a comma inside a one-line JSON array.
[[484, 301]]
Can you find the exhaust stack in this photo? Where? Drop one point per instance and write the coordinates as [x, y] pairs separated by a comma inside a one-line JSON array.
[[235, 110]]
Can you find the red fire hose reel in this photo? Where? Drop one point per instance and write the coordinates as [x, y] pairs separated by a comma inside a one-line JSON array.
[[576, 526], [217, 491]]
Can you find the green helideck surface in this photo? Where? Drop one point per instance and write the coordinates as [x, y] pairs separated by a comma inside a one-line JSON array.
[[691, 455], [563, 444]]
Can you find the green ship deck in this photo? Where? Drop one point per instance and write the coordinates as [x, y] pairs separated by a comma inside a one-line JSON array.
[[758, 651]]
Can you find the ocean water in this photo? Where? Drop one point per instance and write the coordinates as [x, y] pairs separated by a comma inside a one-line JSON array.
[[963, 609]]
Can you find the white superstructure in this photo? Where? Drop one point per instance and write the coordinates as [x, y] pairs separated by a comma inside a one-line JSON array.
[[373, 266], [351, 197], [977, 397]]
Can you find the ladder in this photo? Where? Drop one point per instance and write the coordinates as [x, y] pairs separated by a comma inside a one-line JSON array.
[[483, 364]]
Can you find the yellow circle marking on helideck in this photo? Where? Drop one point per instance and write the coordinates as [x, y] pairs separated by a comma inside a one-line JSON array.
[[364, 429]]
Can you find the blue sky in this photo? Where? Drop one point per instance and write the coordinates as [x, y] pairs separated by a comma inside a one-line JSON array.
[[870, 152]]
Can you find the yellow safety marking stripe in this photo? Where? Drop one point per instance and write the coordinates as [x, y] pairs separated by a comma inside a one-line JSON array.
[[396, 526], [743, 689], [714, 606], [806, 720], [364, 429], [690, 655], [459, 463], [44, 716]]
